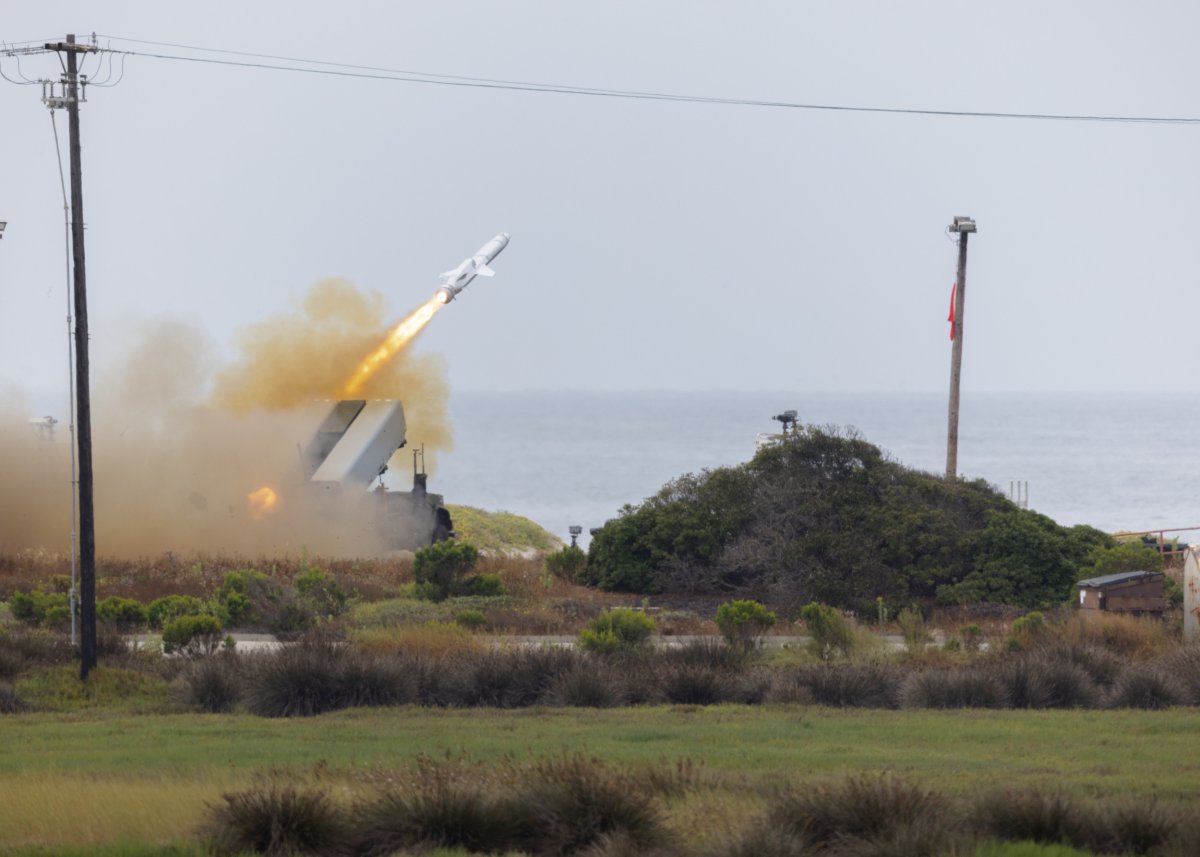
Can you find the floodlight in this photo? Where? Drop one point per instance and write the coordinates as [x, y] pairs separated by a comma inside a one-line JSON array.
[[962, 224]]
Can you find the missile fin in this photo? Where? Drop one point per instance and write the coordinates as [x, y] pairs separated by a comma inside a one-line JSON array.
[[485, 271]]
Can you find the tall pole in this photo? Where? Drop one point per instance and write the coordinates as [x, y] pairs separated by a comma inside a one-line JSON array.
[[83, 398], [964, 226]]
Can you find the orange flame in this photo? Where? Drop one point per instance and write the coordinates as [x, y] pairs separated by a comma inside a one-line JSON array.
[[395, 342], [262, 500]]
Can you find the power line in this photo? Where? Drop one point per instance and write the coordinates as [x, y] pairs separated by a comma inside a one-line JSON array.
[[322, 67]]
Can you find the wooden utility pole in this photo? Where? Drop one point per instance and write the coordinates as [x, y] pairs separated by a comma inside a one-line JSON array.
[[73, 94], [964, 226]]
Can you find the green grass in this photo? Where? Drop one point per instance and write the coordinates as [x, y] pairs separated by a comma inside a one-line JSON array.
[[59, 689], [98, 777], [500, 531], [1094, 752]]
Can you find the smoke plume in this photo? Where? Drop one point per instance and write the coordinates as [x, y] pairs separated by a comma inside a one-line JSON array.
[[179, 443]]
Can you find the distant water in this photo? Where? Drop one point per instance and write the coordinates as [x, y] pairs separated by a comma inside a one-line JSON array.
[[1114, 461]]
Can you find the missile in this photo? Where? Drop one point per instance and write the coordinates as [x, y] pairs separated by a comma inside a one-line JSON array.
[[457, 279]]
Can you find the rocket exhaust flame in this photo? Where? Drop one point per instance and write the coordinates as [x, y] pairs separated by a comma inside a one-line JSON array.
[[395, 342], [455, 280], [262, 500]]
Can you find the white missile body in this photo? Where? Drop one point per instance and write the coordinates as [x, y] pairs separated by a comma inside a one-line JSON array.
[[459, 278]]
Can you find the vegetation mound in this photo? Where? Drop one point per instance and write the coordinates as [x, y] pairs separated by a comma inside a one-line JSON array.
[[500, 532], [826, 516]]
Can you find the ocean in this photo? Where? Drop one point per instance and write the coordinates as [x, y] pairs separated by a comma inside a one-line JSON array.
[[1119, 461]]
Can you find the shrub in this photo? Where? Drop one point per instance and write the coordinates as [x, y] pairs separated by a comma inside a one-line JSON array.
[[163, 610], [435, 810], [972, 636], [851, 685], [1136, 826], [1018, 816], [572, 804], [743, 623], [471, 619], [192, 635], [369, 681], [440, 566], [912, 626], [1102, 666], [569, 564], [1127, 636], [1124, 556], [693, 685], [585, 685], [864, 809], [1184, 665], [125, 613], [41, 608], [321, 590], [316, 676], [22, 647], [296, 682], [952, 688], [831, 633], [1045, 680], [617, 630], [276, 821], [704, 653], [1026, 630], [213, 684], [251, 599], [1144, 686], [483, 586]]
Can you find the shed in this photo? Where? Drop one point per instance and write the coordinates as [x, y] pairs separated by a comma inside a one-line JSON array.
[[1127, 592]]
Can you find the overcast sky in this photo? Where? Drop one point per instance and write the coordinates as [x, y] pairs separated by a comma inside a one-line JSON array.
[[655, 245]]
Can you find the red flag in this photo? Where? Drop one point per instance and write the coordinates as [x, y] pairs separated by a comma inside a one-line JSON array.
[[950, 318]]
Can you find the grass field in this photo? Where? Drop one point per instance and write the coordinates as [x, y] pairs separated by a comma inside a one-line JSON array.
[[85, 779]]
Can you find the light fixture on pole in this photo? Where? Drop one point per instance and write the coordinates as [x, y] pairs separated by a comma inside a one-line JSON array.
[[576, 531]]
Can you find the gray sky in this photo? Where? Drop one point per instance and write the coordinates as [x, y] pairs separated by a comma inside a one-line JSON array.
[[655, 245]]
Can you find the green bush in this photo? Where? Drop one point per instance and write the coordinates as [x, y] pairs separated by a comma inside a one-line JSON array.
[[1125, 556], [473, 619], [483, 586], [912, 627], [743, 623], [125, 613], [40, 608], [439, 568], [192, 635], [251, 599], [321, 590], [570, 563], [1026, 630], [617, 630], [831, 633], [163, 610]]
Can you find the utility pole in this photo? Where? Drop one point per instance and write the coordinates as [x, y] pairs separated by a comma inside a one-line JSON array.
[[964, 226], [72, 95]]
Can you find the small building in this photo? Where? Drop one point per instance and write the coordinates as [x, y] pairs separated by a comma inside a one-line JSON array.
[[1127, 592]]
